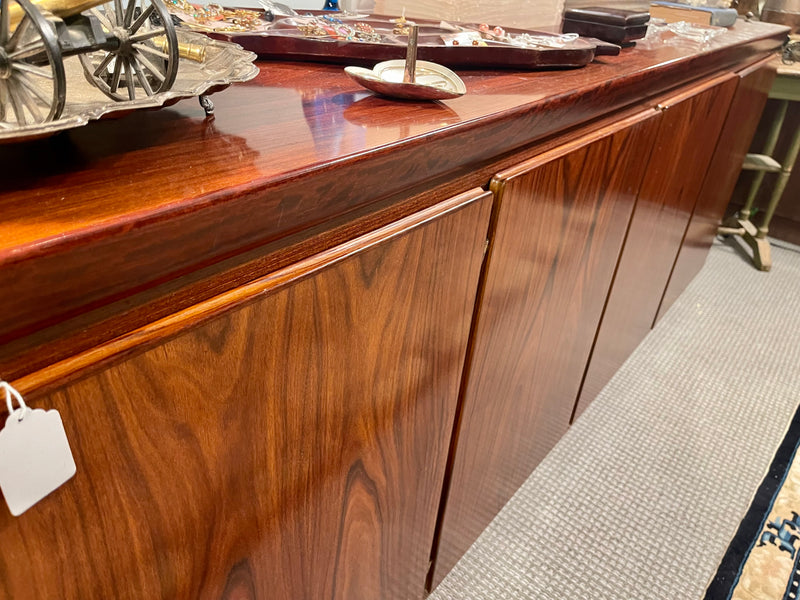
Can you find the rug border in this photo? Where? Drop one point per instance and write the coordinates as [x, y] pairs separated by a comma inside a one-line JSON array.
[[758, 512]]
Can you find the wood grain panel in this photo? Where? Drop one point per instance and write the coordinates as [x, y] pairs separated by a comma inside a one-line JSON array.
[[560, 223], [293, 447], [737, 133], [687, 136]]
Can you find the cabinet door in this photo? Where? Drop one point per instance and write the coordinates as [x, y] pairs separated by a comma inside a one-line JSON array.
[[689, 128], [291, 445], [560, 220], [737, 133]]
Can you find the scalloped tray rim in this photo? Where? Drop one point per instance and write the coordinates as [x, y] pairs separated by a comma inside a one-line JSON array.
[[242, 70]]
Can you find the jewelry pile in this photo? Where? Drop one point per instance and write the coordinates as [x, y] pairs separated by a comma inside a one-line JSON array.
[[498, 35], [214, 17], [526, 40], [329, 27], [401, 25]]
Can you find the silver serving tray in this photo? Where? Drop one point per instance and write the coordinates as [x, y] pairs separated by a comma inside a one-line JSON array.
[[225, 63]]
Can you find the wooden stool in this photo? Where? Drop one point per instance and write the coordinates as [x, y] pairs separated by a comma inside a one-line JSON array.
[[786, 88]]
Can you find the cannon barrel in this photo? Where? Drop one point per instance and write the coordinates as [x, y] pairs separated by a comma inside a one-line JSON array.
[[60, 8]]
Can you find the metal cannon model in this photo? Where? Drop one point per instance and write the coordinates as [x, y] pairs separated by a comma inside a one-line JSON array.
[[127, 48]]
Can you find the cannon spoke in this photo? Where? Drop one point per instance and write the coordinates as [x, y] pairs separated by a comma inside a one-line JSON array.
[[150, 67], [141, 37], [140, 75], [28, 68], [103, 18], [33, 89], [149, 50], [27, 100], [103, 64], [16, 106], [18, 34], [3, 100], [115, 77], [130, 9], [28, 50], [129, 79], [142, 18], [5, 21]]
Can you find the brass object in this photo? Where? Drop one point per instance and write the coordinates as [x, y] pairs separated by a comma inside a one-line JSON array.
[[60, 8], [401, 26], [409, 75], [312, 30], [193, 52]]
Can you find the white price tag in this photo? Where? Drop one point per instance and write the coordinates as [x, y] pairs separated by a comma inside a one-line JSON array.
[[35, 457]]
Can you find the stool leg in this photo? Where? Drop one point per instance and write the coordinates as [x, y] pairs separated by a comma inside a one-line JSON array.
[[769, 148], [780, 184]]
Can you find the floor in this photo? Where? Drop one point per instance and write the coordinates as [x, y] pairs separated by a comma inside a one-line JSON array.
[[643, 494]]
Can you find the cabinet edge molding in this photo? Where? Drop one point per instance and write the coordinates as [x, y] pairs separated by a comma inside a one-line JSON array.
[[135, 341]]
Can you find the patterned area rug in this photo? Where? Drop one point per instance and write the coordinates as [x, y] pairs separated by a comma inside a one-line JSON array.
[[763, 561]]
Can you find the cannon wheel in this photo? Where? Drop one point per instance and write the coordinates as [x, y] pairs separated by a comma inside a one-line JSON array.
[[32, 81], [146, 59]]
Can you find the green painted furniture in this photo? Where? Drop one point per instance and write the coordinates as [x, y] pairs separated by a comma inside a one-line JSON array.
[[786, 88]]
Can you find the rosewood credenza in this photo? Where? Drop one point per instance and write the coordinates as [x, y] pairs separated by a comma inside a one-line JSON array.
[[309, 347]]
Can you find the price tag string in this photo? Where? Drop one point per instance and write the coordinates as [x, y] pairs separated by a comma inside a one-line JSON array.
[[12, 394]]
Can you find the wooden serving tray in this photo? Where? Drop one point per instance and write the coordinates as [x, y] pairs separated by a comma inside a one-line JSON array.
[[281, 39]]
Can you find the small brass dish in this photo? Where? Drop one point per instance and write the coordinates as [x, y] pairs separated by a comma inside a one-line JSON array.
[[431, 81]]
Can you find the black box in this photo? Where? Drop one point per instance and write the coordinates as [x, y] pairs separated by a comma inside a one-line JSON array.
[[608, 24]]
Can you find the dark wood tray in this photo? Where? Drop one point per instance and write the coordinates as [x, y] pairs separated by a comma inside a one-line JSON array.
[[281, 39]]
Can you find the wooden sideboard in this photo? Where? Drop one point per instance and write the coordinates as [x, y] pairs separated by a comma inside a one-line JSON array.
[[309, 347]]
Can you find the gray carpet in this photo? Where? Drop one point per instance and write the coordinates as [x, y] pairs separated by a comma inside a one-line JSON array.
[[642, 496]]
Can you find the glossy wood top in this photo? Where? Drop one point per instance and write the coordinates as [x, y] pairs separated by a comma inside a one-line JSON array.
[[98, 214], [294, 117]]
